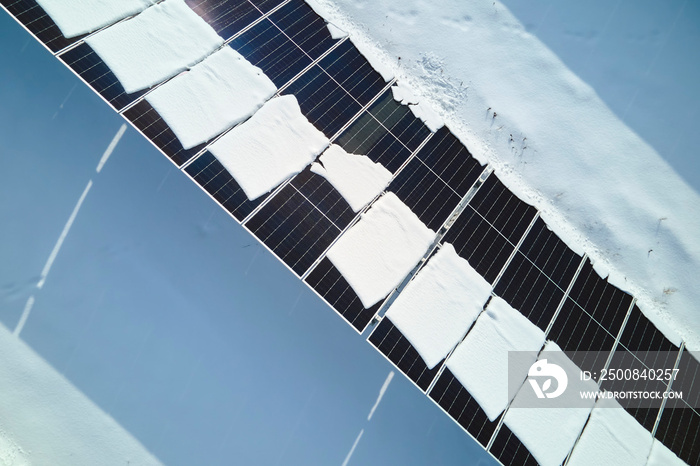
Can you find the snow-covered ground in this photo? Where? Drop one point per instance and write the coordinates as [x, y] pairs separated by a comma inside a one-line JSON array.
[[551, 139]]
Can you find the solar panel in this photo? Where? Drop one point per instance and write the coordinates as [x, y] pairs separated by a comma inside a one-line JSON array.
[[293, 228], [86, 63], [679, 430], [227, 17], [265, 46], [425, 193], [267, 5], [389, 341], [399, 120], [303, 27], [32, 16], [508, 449], [688, 379], [144, 117], [208, 173], [641, 335], [456, 401], [329, 283]]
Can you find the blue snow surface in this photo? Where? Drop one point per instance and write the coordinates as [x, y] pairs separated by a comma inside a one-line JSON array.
[[640, 56], [167, 314]]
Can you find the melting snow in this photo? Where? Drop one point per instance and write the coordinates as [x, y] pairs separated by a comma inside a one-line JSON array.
[[480, 362], [218, 93], [550, 433], [356, 177], [380, 250], [274, 144], [78, 17], [156, 45], [612, 436], [438, 306]]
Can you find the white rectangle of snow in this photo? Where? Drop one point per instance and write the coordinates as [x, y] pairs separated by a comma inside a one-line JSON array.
[[550, 433], [356, 177], [161, 42], [661, 455], [612, 436], [78, 17], [216, 94], [480, 362], [275, 143], [437, 307], [379, 251]]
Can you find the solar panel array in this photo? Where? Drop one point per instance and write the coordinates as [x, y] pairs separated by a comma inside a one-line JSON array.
[[501, 237]]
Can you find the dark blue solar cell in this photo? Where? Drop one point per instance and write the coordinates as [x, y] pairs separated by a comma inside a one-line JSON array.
[[451, 161], [322, 101], [304, 27], [33, 17], [366, 136], [392, 344], [328, 282], [266, 5], [462, 407], [217, 181], [323, 195], [399, 120], [267, 47], [227, 17], [353, 72], [294, 229], [508, 449], [86, 63], [149, 122], [426, 194]]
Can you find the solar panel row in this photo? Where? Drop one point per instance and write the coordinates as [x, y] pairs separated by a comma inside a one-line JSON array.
[[502, 237]]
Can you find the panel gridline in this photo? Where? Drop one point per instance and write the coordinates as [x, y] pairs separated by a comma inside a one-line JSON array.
[[304, 27], [399, 121], [226, 17], [389, 341], [508, 449]]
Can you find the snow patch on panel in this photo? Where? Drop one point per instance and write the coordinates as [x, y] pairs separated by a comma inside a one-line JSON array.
[[335, 31], [405, 95], [661, 455], [612, 436], [550, 433], [438, 306], [78, 17], [273, 145], [357, 178], [379, 251], [218, 93], [163, 41], [480, 362]]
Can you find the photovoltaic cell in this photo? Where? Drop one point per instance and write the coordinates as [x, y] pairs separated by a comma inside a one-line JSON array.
[[549, 253], [392, 344], [688, 379], [679, 430], [293, 228], [217, 181], [329, 283], [265, 46], [367, 136], [426, 194], [510, 450], [502, 209], [266, 5], [34, 18], [574, 330], [149, 122], [352, 72], [227, 17], [325, 197], [451, 161], [89, 66], [530, 291], [451, 396], [322, 101], [480, 243], [399, 120], [304, 27], [640, 335], [606, 303]]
